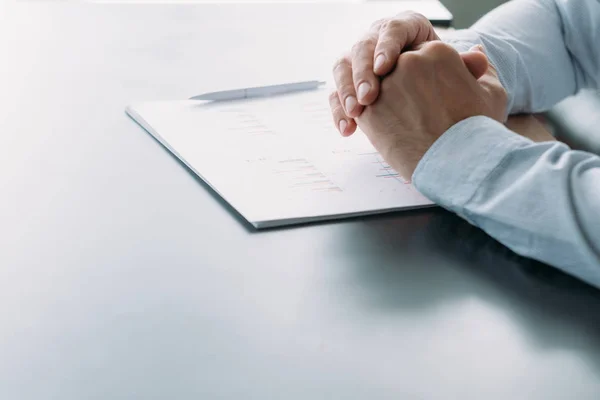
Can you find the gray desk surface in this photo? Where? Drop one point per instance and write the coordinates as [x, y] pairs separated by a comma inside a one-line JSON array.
[[123, 277]]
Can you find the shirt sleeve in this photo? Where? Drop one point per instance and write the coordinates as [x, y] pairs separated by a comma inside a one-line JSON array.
[[542, 200], [544, 50]]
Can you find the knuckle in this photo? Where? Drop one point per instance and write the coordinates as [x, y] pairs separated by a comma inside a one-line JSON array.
[[388, 42], [440, 51], [363, 44], [345, 88], [412, 16], [392, 24], [418, 17], [333, 97], [337, 113], [411, 61], [438, 47], [362, 70], [378, 23], [340, 62]]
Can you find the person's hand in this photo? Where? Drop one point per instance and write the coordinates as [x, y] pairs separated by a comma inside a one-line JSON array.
[[357, 75], [430, 90], [376, 53]]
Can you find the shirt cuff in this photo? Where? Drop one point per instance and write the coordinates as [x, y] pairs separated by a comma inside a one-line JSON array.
[[460, 161], [463, 40]]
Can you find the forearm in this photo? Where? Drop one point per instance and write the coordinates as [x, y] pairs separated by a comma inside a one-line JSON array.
[[540, 199], [544, 50]]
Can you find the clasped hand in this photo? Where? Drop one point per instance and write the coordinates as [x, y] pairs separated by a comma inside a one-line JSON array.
[[404, 88]]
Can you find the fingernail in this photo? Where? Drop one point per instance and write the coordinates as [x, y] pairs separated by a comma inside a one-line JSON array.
[[477, 47], [363, 90], [379, 61], [350, 103], [343, 126]]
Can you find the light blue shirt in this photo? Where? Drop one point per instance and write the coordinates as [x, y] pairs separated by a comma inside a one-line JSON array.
[[541, 200]]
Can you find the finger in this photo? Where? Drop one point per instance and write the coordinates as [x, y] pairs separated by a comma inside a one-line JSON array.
[[490, 82], [344, 124], [476, 62], [491, 72], [491, 68], [342, 75], [366, 83], [395, 35], [490, 76]]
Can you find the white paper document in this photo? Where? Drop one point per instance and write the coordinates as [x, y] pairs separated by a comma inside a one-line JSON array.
[[279, 161]]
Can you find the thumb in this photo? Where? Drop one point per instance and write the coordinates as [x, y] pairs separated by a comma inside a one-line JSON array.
[[476, 61], [490, 82]]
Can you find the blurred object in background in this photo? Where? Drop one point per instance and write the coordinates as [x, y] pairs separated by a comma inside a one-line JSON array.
[[466, 12]]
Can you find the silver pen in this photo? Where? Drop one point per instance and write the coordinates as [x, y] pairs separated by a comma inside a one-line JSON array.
[[261, 91]]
